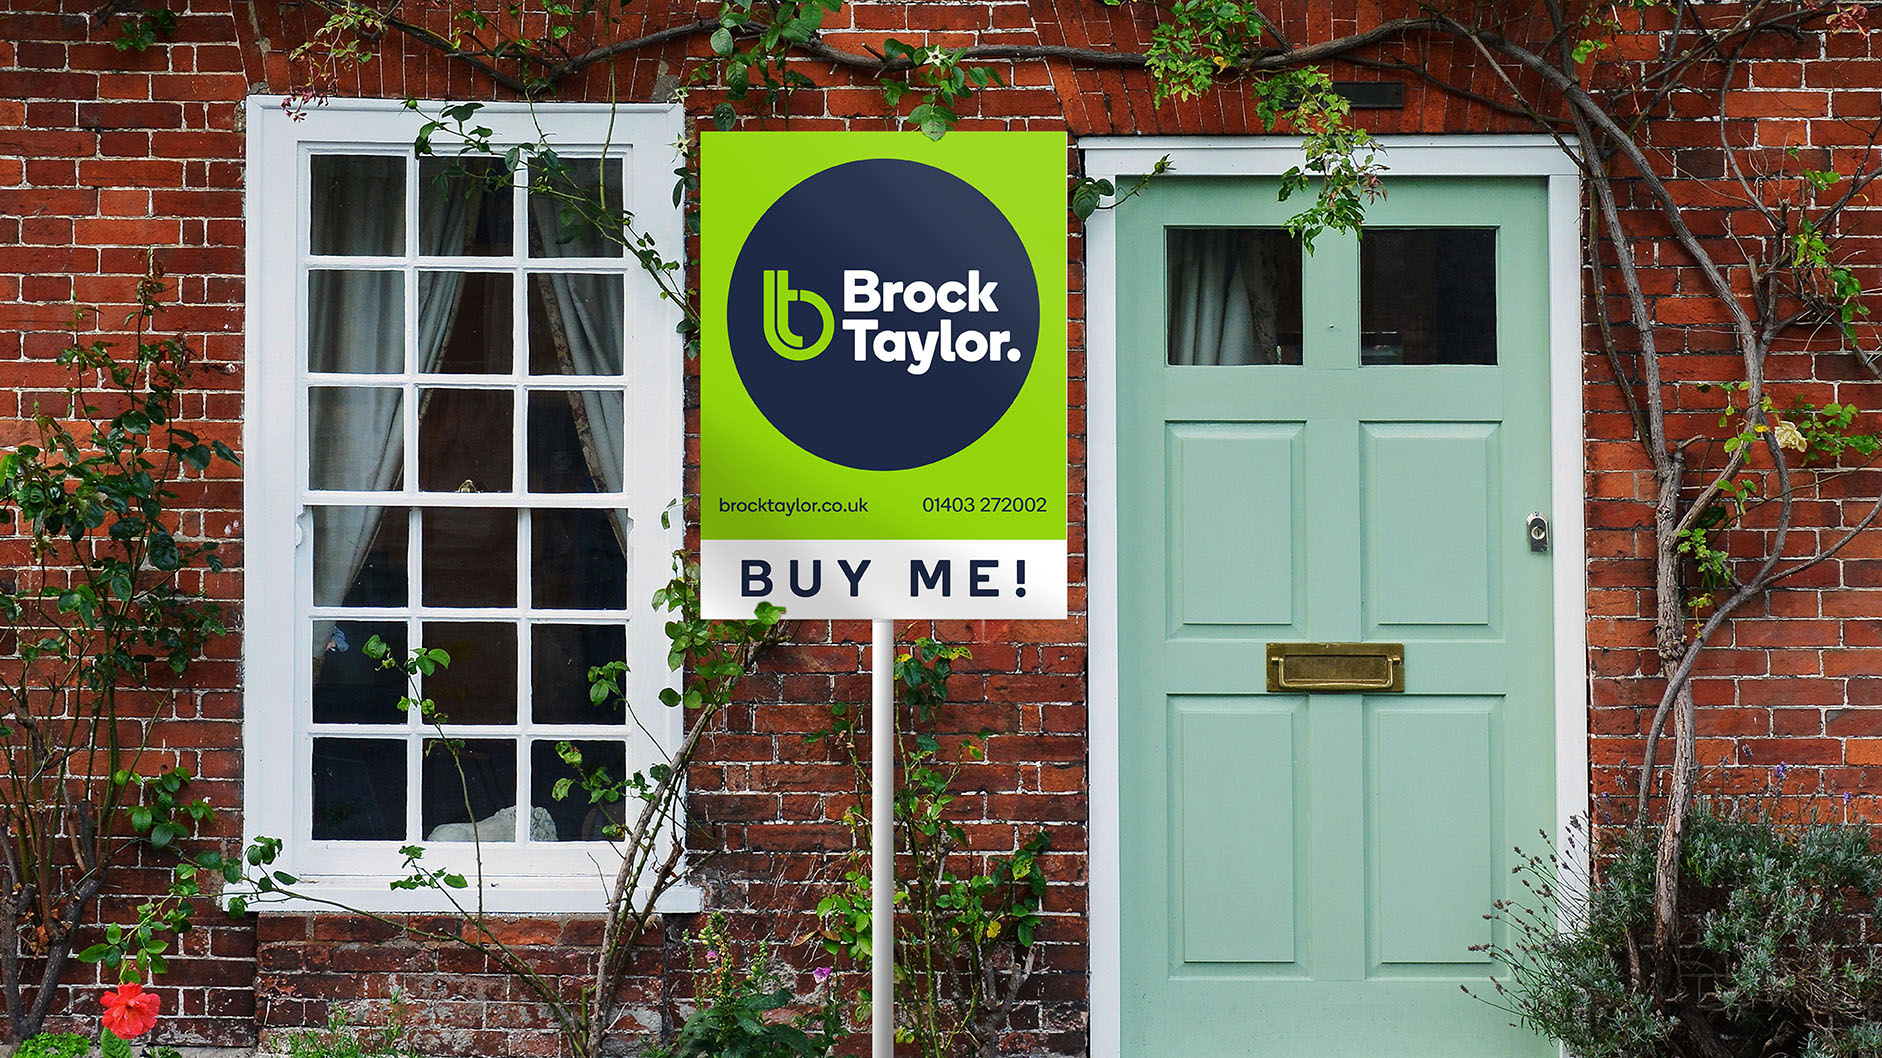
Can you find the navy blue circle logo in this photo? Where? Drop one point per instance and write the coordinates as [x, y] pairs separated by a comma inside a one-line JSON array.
[[883, 314]]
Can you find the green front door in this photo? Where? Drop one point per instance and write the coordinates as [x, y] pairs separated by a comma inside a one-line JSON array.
[[1342, 446]]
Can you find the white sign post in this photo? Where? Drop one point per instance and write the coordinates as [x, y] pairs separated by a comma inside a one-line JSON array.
[[882, 837]]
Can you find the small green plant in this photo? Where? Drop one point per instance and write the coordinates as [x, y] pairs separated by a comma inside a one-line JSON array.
[[72, 1045], [1826, 436], [964, 942], [139, 29], [1197, 44], [340, 1039], [54, 1045], [739, 1005], [1772, 955], [1199, 41], [760, 69], [939, 76], [1089, 193]]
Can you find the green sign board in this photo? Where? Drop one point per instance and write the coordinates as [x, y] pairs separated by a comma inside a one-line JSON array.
[[883, 374]]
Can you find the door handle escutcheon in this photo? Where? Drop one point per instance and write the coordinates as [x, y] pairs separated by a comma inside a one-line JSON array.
[[1538, 529]]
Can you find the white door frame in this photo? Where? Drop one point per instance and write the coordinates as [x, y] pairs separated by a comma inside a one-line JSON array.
[[1123, 159]]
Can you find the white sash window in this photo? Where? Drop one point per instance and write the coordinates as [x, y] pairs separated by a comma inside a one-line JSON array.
[[462, 426]]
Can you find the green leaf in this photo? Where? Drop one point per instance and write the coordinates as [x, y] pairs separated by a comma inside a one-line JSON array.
[[721, 42]]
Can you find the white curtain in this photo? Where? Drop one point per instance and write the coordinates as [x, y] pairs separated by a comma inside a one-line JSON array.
[[359, 443], [586, 315], [1222, 297]]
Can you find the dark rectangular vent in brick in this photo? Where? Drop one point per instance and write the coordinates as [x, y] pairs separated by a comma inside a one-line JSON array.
[[1372, 95]]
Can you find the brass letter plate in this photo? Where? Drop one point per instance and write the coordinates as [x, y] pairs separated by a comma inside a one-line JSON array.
[[1336, 668]]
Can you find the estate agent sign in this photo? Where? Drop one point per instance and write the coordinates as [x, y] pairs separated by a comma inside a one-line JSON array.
[[883, 374]]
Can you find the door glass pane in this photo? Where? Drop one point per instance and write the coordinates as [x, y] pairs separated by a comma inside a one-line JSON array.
[[575, 324], [574, 816], [575, 441], [575, 208], [1233, 296], [349, 687], [578, 560], [464, 440], [356, 321], [469, 556], [464, 323], [464, 207], [476, 781], [559, 665], [359, 789], [479, 685], [1427, 296], [358, 205], [356, 438], [359, 556]]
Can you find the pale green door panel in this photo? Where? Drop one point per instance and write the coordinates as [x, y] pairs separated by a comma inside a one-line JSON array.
[[1307, 875]]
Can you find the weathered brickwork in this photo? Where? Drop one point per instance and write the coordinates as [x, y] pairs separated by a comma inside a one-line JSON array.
[[111, 160]]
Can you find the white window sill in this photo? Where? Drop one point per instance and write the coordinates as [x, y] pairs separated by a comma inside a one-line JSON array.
[[502, 896]]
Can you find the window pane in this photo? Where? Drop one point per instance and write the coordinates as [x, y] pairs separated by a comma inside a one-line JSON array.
[[464, 440], [561, 656], [359, 789], [575, 324], [1234, 296], [575, 441], [360, 556], [479, 685], [358, 205], [574, 817], [469, 556], [356, 438], [578, 561], [484, 791], [464, 323], [575, 208], [1427, 296], [464, 207], [355, 321], [349, 687]]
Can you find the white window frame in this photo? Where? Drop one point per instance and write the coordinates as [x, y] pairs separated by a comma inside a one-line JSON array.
[[518, 877]]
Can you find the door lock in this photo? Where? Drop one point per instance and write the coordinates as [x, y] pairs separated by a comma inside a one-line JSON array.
[[1538, 532]]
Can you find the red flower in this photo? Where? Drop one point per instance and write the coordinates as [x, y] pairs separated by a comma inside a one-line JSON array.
[[130, 1011]]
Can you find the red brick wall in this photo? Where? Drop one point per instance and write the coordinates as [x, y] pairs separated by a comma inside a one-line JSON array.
[[1796, 680], [106, 157]]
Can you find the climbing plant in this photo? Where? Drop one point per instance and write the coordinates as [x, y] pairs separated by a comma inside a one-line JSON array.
[[966, 922], [103, 618]]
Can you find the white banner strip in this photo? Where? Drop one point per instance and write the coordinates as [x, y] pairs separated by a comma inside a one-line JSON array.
[[904, 579]]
